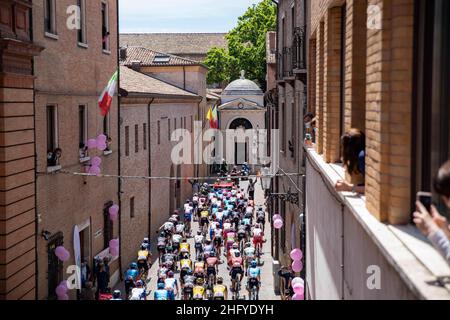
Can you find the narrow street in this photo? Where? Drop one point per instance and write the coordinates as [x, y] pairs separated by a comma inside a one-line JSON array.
[[266, 292]]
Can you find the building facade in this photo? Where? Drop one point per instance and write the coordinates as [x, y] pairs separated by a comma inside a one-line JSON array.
[[67, 89], [379, 66], [286, 105], [150, 111], [18, 265]]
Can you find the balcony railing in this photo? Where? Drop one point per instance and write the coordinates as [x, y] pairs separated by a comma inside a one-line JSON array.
[[299, 49]]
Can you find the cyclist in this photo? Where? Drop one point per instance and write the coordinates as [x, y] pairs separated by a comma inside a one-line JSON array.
[[162, 293], [209, 247], [254, 277], [204, 216], [242, 232], [261, 217], [218, 241], [199, 268], [249, 255], [169, 258], [176, 240], [199, 240], [212, 267], [199, 290], [237, 274], [188, 285], [220, 291], [258, 238], [139, 293], [117, 295], [161, 244], [171, 283], [130, 277], [185, 266], [188, 218], [143, 258], [185, 247]]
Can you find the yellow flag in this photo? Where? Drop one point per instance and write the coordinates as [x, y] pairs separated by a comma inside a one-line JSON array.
[[209, 115]]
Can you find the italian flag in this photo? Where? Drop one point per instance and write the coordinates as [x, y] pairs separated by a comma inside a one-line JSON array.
[[212, 118], [105, 100]]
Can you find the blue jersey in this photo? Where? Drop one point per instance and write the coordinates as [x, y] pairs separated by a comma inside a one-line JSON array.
[[254, 272], [246, 221], [131, 273], [162, 295]]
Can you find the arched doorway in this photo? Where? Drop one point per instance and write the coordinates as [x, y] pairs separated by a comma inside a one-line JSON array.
[[241, 148]]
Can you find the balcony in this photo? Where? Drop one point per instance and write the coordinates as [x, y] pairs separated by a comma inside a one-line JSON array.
[[299, 53]]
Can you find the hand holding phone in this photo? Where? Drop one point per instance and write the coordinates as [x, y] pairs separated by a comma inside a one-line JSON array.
[[426, 198]]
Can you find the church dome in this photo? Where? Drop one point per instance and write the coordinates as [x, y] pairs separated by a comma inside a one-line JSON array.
[[242, 87]]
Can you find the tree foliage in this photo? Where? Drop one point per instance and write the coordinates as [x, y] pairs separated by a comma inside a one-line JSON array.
[[246, 48]]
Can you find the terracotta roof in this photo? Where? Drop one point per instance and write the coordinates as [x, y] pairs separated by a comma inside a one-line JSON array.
[[138, 83], [147, 58], [175, 43]]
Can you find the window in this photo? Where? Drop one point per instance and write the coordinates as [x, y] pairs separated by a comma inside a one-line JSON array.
[[127, 141], [82, 30], [136, 138], [161, 59], [50, 16], [144, 141], [175, 124], [52, 136], [293, 129], [342, 71], [83, 130], [105, 27], [192, 123], [158, 128], [283, 230], [132, 207], [431, 128], [168, 128], [106, 125], [108, 225]]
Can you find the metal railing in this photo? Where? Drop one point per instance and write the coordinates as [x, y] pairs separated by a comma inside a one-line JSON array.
[[299, 48], [287, 62]]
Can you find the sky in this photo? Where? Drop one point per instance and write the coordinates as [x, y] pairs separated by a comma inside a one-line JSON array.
[[180, 15]]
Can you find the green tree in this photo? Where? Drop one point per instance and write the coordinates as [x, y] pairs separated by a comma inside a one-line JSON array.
[[246, 48]]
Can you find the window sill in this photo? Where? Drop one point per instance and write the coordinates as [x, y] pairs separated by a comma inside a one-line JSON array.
[[403, 247], [83, 45], [108, 52], [85, 159], [53, 169], [107, 153], [51, 35]]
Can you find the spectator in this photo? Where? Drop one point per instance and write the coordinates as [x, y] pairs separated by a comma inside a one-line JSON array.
[[251, 188], [353, 151], [85, 273], [53, 157], [102, 281], [87, 292], [83, 150], [432, 224]]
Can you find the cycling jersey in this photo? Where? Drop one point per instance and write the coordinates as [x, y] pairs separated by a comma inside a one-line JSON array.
[[254, 272], [168, 226], [198, 239], [186, 264], [198, 292], [180, 228], [177, 238], [142, 255], [219, 291], [257, 232], [131, 273], [247, 221], [249, 252], [185, 247], [204, 214], [162, 295], [170, 283], [189, 280], [199, 267], [138, 294]]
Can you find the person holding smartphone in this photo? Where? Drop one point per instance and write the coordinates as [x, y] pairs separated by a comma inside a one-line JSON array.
[[428, 219]]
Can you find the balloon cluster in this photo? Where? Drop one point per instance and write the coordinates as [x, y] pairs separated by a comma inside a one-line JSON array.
[[98, 143], [277, 221], [62, 253], [113, 212], [114, 247], [61, 291], [297, 283]]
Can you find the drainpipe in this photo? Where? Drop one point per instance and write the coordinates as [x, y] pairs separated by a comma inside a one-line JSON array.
[[184, 78], [149, 171]]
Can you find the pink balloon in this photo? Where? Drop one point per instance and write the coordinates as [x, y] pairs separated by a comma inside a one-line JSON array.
[[114, 209], [59, 251], [277, 217], [64, 297], [114, 243], [297, 280], [298, 297], [101, 139], [61, 290], [297, 266], [92, 143], [96, 162], [65, 256], [94, 170], [101, 146], [113, 216], [296, 255], [114, 251], [299, 289], [278, 224]]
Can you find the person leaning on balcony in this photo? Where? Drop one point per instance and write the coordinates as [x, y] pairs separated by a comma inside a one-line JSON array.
[[432, 224], [353, 154]]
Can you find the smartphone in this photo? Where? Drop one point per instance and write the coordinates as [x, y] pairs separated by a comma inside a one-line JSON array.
[[426, 198]]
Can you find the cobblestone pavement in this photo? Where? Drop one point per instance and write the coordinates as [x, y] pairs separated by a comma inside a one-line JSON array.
[[266, 292]]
